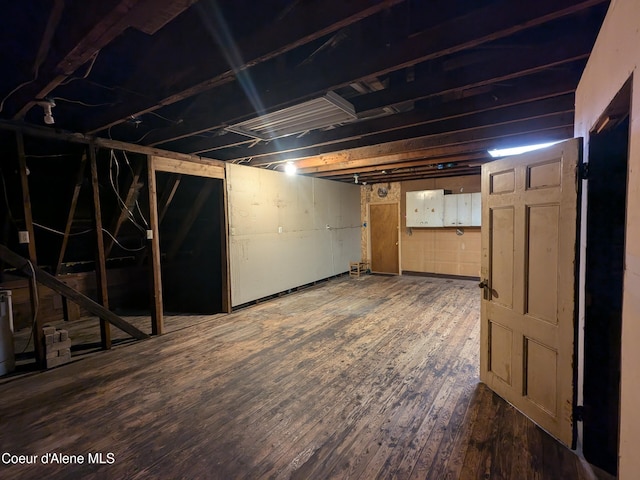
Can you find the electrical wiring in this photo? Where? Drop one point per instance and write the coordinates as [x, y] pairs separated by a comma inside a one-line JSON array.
[[24, 84], [6, 198], [126, 159], [122, 246], [114, 160], [37, 304], [68, 100], [58, 232], [165, 118], [84, 232], [86, 74]]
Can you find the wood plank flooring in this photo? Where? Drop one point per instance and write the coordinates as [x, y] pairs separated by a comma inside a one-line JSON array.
[[360, 378]]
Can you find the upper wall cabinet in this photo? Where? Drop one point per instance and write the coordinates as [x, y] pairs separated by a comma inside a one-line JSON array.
[[425, 208], [432, 208]]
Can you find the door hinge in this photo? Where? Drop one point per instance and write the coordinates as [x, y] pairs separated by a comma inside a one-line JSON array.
[[583, 171], [578, 413]]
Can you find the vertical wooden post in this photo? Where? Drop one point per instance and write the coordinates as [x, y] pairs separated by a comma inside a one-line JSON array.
[[26, 197], [101, 268], [157, 319], [38, 337]]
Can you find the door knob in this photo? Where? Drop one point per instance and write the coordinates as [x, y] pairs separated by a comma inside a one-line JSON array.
[[484, 284]]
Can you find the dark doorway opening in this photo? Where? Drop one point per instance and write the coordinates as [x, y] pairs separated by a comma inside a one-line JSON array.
[[191, 230], [606, 214]]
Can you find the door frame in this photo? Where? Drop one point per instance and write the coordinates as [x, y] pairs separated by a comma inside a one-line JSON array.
[[388, 202]]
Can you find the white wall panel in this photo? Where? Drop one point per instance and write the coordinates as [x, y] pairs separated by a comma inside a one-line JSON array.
[[278, 230]]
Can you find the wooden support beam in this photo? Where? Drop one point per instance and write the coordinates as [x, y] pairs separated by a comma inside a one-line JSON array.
[[63, 289], [157, 319], [167, 195], [145, 15], [442, 144], [101, 267], [126, 210], [321, 17], [527, 89], [64, 136], [188, 221], [480, 26], [38, 336], [72, 211]]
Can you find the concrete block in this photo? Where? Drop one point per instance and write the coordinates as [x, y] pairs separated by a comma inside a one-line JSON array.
[[64, 334], [48, 330], [56, 336], [48, 339]]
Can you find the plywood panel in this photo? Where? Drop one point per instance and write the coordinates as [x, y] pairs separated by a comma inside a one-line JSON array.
[[542, 297], [502, 261], [287, 231], [540, 373]]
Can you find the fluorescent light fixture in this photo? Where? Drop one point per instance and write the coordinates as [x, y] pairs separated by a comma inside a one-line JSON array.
[[506, 152], [290, 168], [326, 111]]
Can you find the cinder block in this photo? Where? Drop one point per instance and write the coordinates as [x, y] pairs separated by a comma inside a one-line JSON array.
[[48, 330], [56, 336], [52, 354], [63, 345], [64, 334], [65, 352], [48, 339]]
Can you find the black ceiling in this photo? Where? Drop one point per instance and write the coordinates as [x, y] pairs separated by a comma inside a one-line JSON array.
[[434, 83]]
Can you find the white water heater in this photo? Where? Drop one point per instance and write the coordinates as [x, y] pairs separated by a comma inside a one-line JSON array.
[[7, 357]]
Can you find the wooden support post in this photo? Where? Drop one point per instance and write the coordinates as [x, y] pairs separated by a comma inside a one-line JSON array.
[[72, 212], [157, 319], [38, 336], [26, 197], [101, 268]]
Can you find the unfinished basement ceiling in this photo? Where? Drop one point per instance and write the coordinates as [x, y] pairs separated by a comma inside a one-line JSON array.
[[433, 84]]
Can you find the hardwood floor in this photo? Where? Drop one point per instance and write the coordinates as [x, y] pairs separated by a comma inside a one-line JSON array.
[[374, 377]]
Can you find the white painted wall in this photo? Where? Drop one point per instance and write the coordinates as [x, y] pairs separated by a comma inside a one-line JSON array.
[[263, 203], [614, 59]]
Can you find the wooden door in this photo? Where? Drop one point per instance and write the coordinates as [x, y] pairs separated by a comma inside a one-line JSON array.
[[383, 223], [529, 210]]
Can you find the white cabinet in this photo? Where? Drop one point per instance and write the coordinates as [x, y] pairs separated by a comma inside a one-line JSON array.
[[457, 210], [432, 208], [425, 208], [476, 209]]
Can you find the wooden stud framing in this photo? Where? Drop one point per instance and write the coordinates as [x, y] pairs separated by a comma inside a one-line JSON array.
[[62, 288], [101, 269], [72, 211], [129, 201], [157, 319], [38, 336]]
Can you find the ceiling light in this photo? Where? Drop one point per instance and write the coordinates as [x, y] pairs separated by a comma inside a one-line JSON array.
[[47, 105], [505, 152], [290, 168], [326, 111]]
